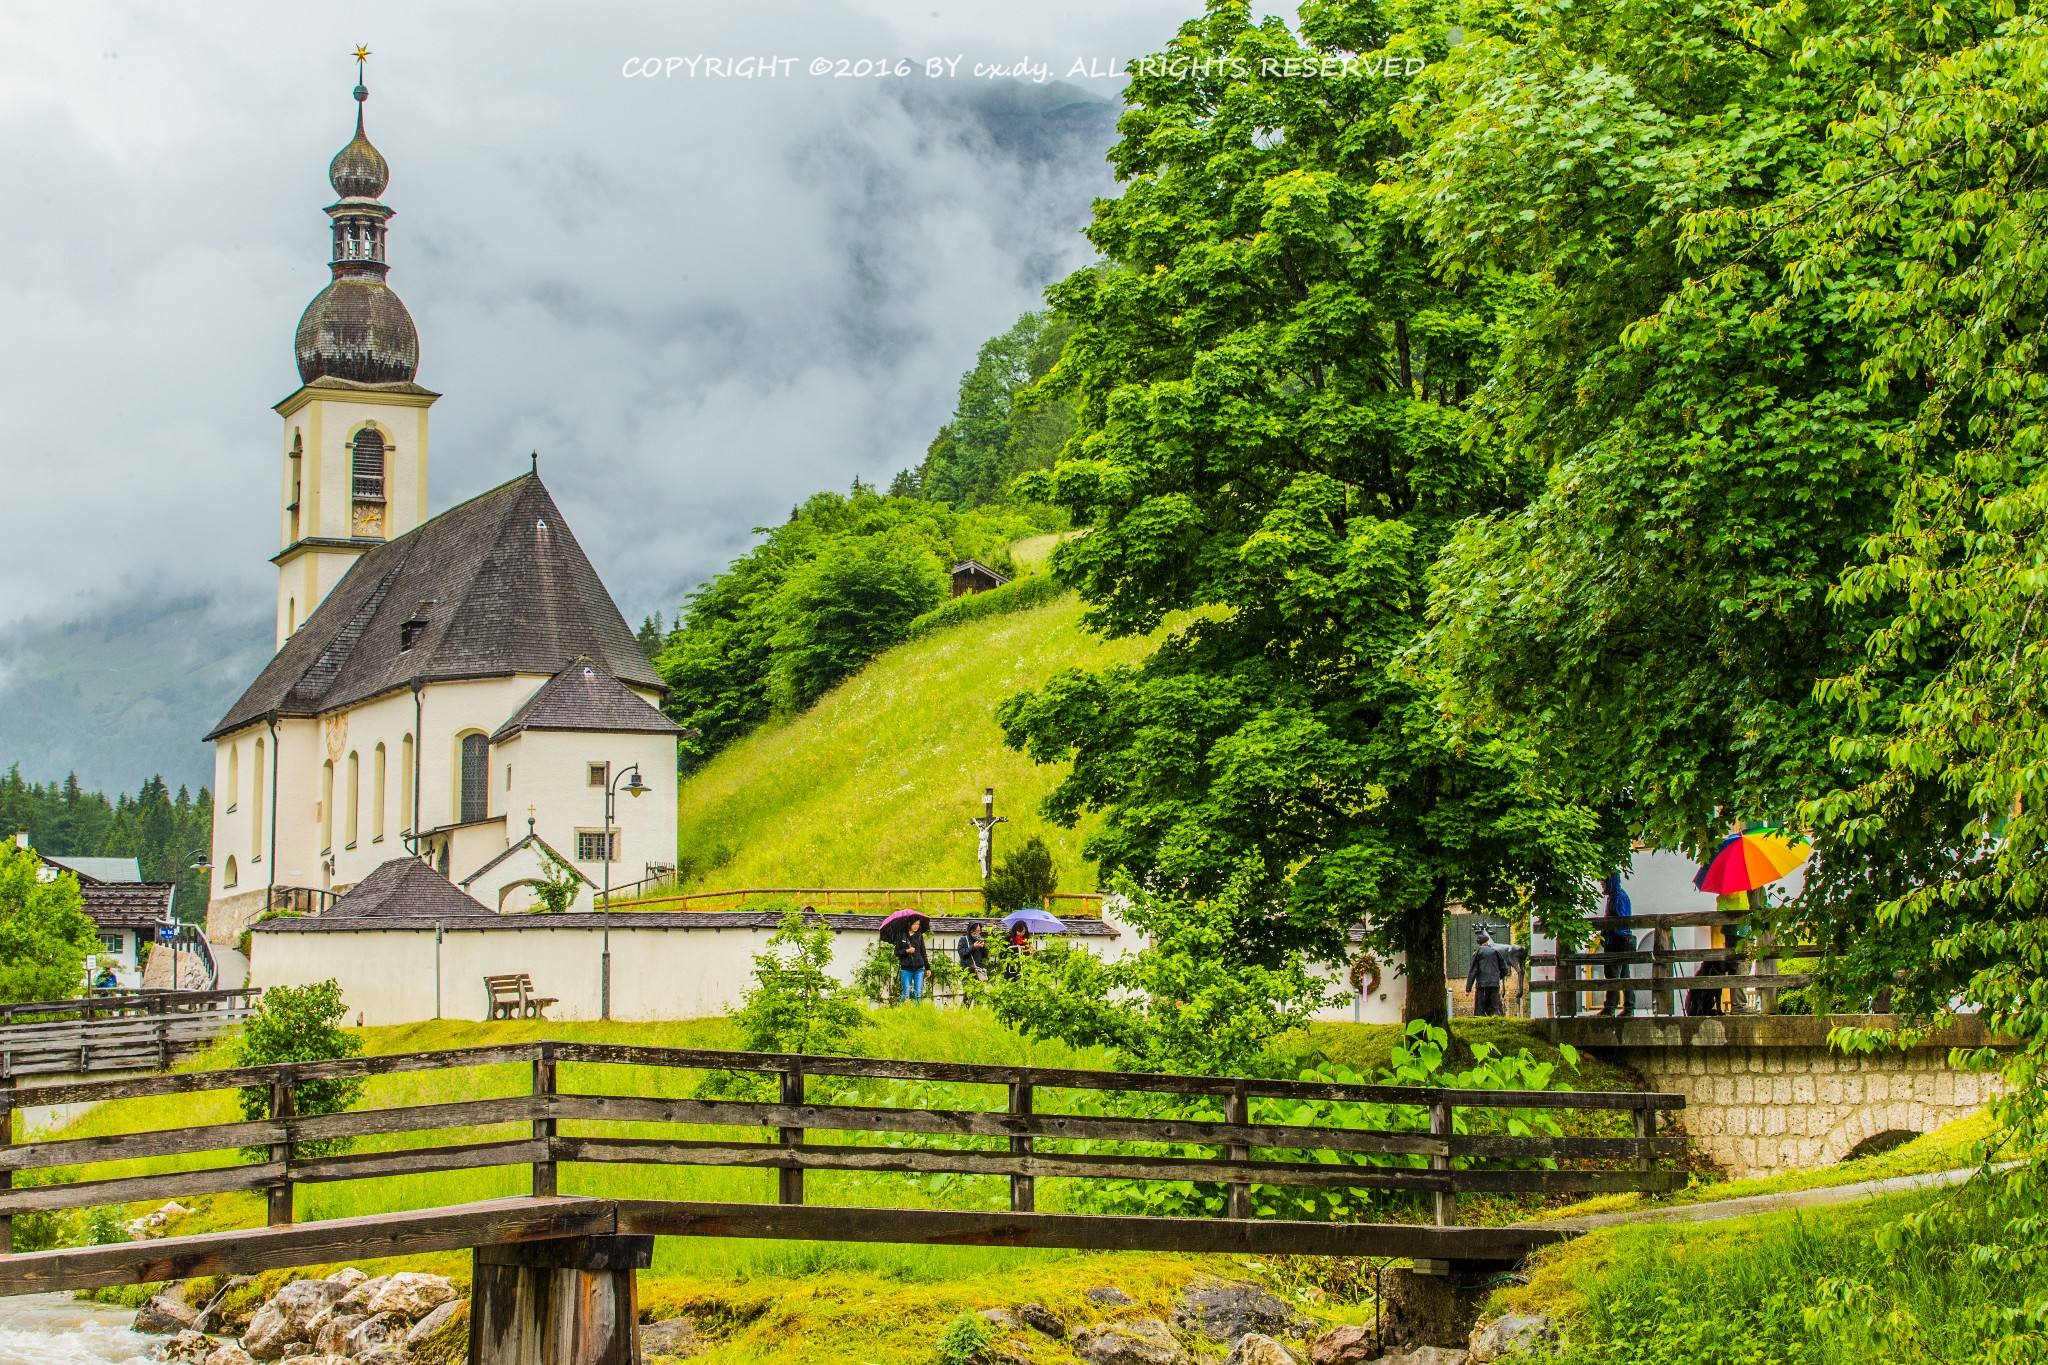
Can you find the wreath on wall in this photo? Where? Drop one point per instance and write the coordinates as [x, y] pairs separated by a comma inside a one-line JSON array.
[[1365, 974]]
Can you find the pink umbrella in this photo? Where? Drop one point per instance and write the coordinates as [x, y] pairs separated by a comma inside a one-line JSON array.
[[898, 923]]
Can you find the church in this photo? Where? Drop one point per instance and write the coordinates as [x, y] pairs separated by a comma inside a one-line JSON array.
[[457, 689]]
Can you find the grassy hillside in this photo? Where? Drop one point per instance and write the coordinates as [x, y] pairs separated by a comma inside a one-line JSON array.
[[875, 784]]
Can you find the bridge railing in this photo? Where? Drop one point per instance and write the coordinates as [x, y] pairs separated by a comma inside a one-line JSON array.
[[1751, 965], [1430, 1157], [654, 894], [137, 1032]]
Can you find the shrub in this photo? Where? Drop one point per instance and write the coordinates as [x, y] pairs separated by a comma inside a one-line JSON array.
[[299, 1024], [1024, 877], [794, 1005], [965, 1339], [1022, 595], [557, 885]]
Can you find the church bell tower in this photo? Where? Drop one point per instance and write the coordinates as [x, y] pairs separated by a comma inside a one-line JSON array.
[[355, 431]]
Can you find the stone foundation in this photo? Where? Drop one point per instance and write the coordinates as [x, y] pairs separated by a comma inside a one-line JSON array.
[[1764, 1093]]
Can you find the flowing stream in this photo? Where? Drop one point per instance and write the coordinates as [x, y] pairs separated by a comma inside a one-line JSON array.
[[56, 1329]]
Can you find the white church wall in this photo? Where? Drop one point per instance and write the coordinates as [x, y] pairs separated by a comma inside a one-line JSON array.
[[550, 772], [389, 975]]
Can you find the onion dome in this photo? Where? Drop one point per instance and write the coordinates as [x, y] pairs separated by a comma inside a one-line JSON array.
[[356, 329], [359, 170]]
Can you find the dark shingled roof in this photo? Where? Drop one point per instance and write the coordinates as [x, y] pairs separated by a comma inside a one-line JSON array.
[[508, 591], [944, 928], [402, 889], [127, 905], [585, 696]]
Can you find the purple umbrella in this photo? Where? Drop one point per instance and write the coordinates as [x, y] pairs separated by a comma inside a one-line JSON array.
[[1036, 920]]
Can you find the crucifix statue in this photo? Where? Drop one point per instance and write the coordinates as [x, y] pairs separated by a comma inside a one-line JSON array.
[[985, 824]]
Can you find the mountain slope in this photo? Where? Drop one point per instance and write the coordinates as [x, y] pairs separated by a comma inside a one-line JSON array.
[[875, 784]]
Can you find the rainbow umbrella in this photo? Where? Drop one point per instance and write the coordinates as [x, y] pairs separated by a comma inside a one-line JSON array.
[[1751, 859]]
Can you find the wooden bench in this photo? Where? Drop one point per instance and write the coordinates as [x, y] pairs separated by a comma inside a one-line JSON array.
[[512, 997]]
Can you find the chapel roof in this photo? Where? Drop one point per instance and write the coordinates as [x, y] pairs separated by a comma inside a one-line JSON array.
[[585, 696], [493, 587], [404, 889]]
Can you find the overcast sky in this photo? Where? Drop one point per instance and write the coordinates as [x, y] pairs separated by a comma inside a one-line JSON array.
[[700, 298]]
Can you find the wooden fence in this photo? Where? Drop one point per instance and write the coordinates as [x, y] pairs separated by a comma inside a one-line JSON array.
[[141, 1032], [1430, 1157], [1749, 966], [950, 900]]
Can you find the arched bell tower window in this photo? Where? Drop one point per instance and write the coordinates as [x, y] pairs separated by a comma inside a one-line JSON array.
[[369, 465]]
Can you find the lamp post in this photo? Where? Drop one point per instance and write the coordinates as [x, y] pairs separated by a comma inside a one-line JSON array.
[[611, 795]]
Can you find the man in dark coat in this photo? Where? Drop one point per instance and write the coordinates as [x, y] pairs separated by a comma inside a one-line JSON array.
[[1488, 968], [912, 960], [1617, 941]]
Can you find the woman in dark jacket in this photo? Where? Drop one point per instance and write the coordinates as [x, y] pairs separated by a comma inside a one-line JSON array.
[[912, 960]]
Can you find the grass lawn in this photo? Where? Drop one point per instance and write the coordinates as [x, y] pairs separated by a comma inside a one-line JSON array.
[[1738, 1292], [874, 785]]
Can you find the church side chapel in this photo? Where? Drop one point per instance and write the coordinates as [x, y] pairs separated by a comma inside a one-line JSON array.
[[457, 689]]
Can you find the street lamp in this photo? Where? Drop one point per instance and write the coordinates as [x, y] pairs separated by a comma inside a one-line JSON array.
[[611, 795]]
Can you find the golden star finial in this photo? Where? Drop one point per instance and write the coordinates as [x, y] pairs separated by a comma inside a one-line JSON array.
[[362, 53]]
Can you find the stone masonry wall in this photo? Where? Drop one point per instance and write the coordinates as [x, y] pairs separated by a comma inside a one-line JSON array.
[[1761, 1110], [1764, 1093]]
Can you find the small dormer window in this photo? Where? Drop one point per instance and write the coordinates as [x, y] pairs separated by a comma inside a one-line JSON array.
[[409, 633]]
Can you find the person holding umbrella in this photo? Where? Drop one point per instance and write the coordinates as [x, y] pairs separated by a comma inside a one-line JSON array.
[[904, 931]]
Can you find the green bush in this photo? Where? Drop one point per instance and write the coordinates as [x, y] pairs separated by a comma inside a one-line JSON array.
[[1022, 878], [300, 1024], [1020, 595], [794, 1005], [964, 1340]]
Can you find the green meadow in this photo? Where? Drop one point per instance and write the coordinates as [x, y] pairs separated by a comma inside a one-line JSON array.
[[875, 783]]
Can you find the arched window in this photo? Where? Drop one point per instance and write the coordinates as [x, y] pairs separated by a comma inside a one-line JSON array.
[[351, 815], [256, 805], [476, 777], [377, 795], [369, 465], [234, 782], [230, 875], [327, 806], [405, 791]]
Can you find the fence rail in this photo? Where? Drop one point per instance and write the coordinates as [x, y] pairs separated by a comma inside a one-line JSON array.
[[1749, 966], [959, 899], [785, 1134], [118, 1033]]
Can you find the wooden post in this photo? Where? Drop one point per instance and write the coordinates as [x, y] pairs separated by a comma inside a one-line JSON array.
[[1566, 998], [1766, 967], [1023, 1188], [790, 1179], [564, 1301], [1238, 1109], [1440, 1127], [281, 1192], [544, 1128], [1664, 1000], [1646, 1128], [6, 1177]]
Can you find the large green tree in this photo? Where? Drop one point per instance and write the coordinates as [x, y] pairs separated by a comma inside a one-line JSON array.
[[1270, 380], [1001, 426], [45, 936]]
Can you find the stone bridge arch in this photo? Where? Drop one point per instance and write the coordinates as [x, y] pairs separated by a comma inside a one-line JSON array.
[[1765, 1093]]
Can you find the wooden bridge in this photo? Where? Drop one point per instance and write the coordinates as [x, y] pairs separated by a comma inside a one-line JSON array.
[[1737, 967], [555, 1272], [139, 1032]]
